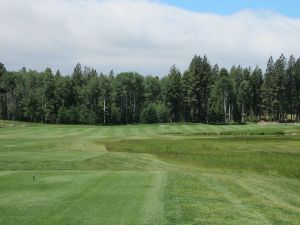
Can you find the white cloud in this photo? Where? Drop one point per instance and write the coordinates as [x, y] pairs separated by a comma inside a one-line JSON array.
[[143, 36]]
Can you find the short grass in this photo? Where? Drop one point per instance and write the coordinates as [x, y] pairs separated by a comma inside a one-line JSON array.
[[149, 174]]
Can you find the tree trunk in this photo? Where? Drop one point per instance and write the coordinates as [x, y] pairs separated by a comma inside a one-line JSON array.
[[134, 108], [243, 116], [104, 109], [126, 109], [225, 108], [7, 106]]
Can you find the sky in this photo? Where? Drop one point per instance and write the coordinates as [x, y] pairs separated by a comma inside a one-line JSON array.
[[226, 7], [145, 36]]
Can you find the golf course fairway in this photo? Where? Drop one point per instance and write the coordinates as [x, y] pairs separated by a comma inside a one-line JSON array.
[[162, 174]]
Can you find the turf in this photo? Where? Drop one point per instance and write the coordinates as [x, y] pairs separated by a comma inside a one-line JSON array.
[[149, 174]]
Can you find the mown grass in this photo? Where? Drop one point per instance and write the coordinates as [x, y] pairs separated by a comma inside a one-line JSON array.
[[149, 174], [77, 197]]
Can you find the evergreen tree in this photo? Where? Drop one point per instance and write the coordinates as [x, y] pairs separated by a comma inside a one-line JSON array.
[[200, 82], [243, 97], [268, 90], [2, 91], [174, 93], [279, 88], [152, 89], [49, 100], [296, 92], [129, 92], [149, 114], [201, 94], [289, 87], [221, 98], [188, 97], [256, 82]]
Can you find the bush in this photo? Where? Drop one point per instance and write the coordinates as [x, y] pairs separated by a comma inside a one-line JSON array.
[[162, 113], [149, 114], [154, 113], [68, 115], [86, 116]]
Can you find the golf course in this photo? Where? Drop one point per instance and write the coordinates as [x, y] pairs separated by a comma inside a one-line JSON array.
[[160, 174]]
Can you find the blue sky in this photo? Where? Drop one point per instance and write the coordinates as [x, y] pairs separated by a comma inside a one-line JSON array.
[[289, 8]]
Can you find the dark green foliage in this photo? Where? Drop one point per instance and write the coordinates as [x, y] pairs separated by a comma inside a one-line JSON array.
[[2, 73], [49, 100], [203, 93], [129, 89], [256, 82], [163, 113], [155, 113], [198, 81], [243, 97], [296, 91], [149, 114], [152, 89], [174, 93], [222, 98]]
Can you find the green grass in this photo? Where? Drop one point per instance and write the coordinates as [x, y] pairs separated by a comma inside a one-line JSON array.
[[149, 174], [265, 155]]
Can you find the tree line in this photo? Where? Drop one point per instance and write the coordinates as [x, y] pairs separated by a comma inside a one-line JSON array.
[[203, 93]]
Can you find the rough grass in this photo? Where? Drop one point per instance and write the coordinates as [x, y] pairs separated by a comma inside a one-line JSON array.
[[264, 155], [149, 174]]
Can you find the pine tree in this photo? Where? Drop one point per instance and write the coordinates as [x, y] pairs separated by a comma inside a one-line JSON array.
[[256, 82], [279, 88], [221, 98], [243, 97], [296, 93], [2, 91], [174, 93], [49, 97], [289, 87], [200, 80], [268, 91]]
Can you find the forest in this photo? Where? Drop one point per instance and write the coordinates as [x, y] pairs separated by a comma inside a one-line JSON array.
[[203, 93]]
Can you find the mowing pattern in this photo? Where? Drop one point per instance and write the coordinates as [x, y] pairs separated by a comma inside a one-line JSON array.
[[149, 174]]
